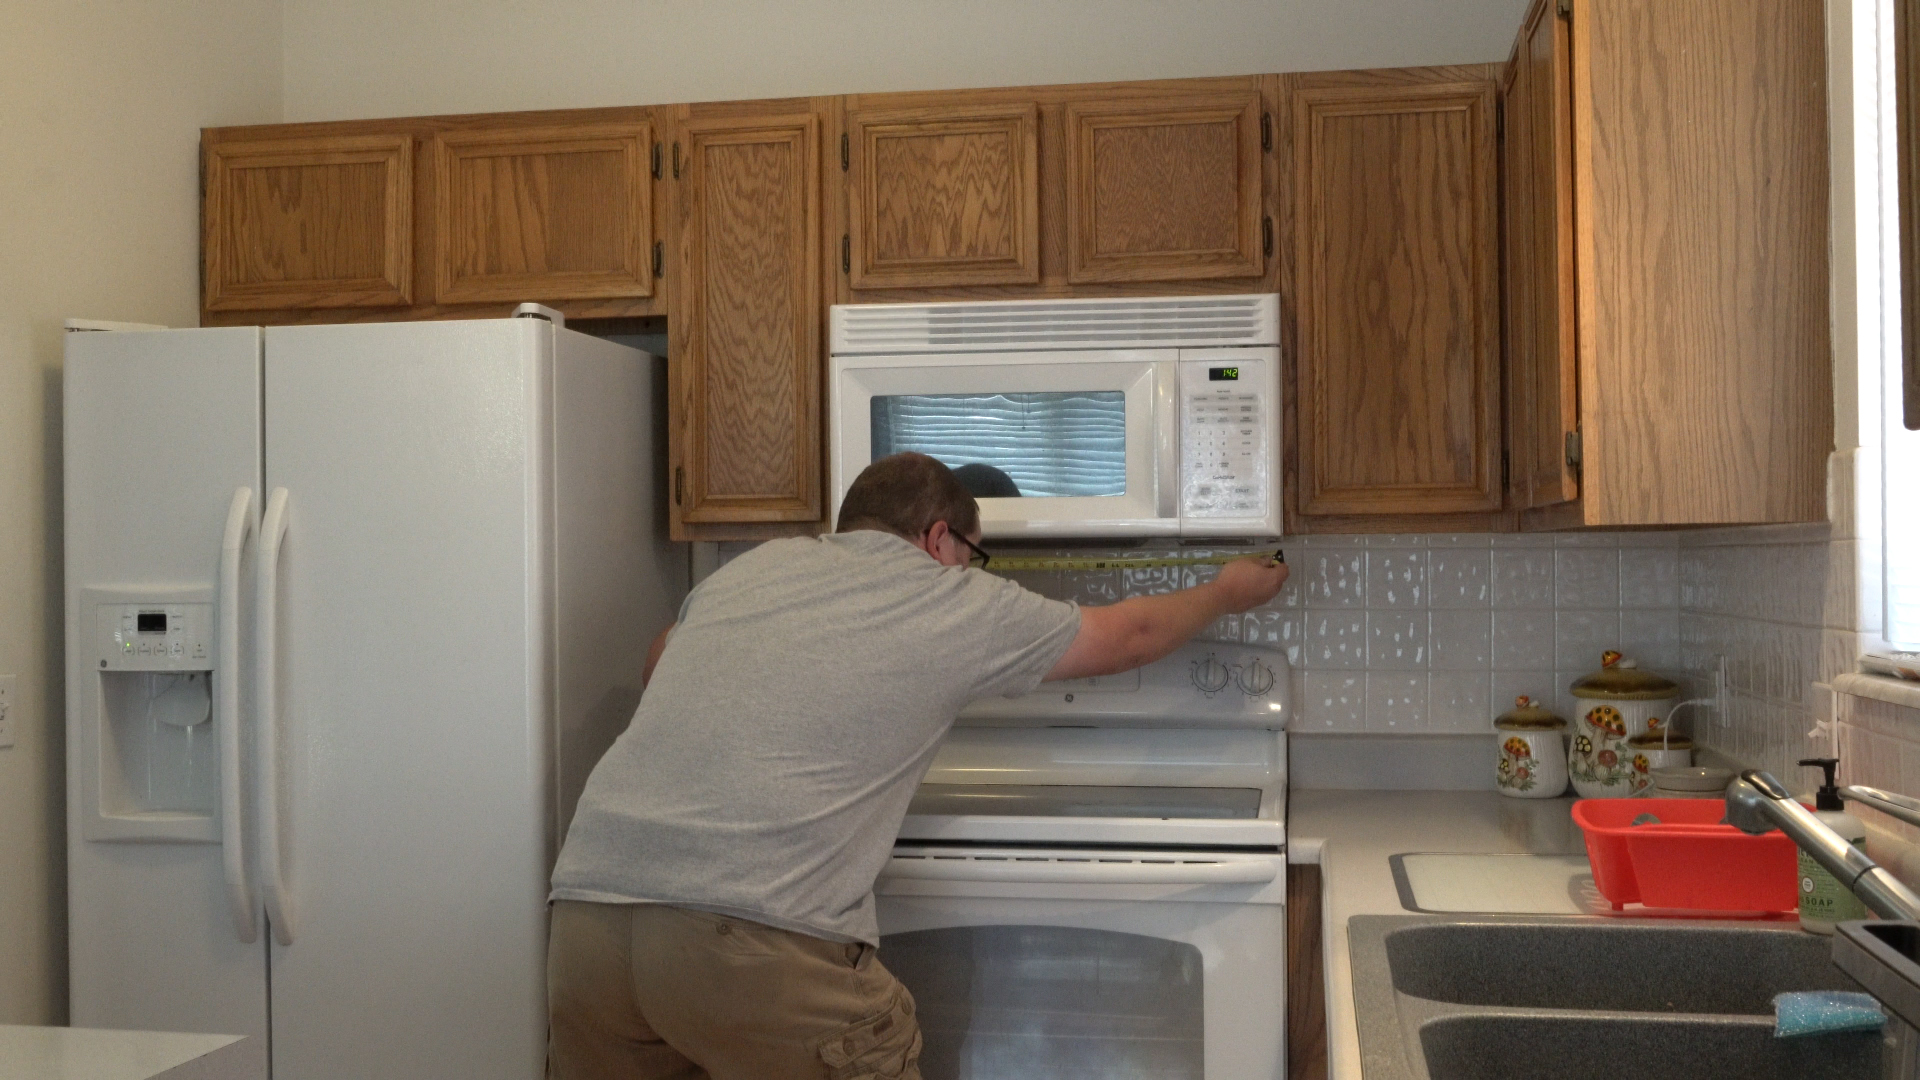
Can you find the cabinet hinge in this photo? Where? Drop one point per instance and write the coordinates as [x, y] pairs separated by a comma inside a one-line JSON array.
[[846, 152], [1566, 9], [1573, 450], [659, 258], [1266, 133], [1266, 236], [846, 253], [679, 483], [676, 159], [656, 161]]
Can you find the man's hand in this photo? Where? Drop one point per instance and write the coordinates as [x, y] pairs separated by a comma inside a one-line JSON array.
[[1247, 583]]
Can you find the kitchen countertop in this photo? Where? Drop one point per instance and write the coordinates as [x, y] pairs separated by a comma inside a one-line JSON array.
[[1351, 834], [60, 1053]]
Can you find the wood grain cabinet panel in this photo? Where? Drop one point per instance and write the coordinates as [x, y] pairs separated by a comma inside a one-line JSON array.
[[746, 319], [1166, 190], [557, 213], [944, 197], [323, 222], [1399, 361]]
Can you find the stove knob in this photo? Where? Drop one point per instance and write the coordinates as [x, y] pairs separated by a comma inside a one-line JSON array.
[[1211, 676], [1256, 678]]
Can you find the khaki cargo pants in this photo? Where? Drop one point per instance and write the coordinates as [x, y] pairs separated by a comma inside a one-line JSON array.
[[648, 992]]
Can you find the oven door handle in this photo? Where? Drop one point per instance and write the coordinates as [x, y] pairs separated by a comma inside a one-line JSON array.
[[1087, 872]]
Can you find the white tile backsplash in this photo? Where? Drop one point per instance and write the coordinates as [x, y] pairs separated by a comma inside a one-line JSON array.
[[1461, 640], [1523, 577], [1523, 640], [1579, 637], [1335, 639], [1333, 701], [1586, 577], [1397, 578], [1396, 640], [1396, 702], [1460, 577], [1458, 702]]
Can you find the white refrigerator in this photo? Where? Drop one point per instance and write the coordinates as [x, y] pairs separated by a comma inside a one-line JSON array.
[[351, 612]]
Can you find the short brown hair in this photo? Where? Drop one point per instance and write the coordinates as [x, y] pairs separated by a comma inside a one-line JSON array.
[[905, 494]]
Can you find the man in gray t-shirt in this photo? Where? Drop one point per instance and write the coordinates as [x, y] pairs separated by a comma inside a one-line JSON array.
[[713, 903]]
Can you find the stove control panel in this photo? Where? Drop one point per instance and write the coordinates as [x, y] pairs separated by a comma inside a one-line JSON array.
[[1202, 684]]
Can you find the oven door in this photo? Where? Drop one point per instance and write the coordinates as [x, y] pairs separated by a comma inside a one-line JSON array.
[[1061, 964], [1068, 444]]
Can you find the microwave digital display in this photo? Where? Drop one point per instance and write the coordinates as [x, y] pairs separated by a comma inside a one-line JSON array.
[[1223, 374], [1015, 445]]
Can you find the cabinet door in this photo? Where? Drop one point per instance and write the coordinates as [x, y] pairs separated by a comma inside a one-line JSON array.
[[746, 318], [323, 222], [1518, 273], [1398, 298], [1165, 190], [943, 196], [555, 213], [1540, 461]]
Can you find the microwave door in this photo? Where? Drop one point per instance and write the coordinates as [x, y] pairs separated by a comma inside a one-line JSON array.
[[1053, 444]]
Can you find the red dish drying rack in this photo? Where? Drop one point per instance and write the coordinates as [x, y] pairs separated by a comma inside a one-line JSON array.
[[1688, 860]]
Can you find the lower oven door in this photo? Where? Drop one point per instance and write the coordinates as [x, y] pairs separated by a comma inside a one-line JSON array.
[[1070, 964]]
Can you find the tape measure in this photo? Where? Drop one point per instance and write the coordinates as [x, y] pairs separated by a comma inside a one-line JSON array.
[[1132, 562]]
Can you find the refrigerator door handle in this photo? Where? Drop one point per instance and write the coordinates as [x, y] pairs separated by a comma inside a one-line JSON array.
[[273, 530], [226, 704]]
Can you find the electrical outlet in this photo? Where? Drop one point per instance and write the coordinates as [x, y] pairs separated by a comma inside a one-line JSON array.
[[6, 711]]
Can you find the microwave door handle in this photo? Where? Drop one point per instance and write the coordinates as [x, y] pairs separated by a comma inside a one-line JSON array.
[[1166, 413]]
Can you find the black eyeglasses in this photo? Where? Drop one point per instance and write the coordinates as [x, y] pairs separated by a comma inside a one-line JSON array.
[[979, 558]]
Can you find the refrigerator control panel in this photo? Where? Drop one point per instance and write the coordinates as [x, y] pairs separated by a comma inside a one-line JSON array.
[[154, 637]]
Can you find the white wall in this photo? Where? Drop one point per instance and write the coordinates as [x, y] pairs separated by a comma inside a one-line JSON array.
[[362, 58], [100, 108]]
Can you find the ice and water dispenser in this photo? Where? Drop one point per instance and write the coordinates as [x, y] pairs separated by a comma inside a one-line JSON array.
[[156, 757]]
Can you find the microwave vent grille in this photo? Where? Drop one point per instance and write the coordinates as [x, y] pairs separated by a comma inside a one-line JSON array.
[[1181, 322]]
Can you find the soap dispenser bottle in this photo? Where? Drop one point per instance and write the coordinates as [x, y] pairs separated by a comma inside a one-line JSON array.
[[1823, 900]]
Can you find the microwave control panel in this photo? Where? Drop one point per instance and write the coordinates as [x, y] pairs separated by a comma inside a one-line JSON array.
[[1228, 417]]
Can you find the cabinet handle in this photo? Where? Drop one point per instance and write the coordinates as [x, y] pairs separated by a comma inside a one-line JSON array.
[[846, 152], [679, 483], [1266, 236], [676, 159], [659, 259], [846, 253], [1266, 133], [656, 161]]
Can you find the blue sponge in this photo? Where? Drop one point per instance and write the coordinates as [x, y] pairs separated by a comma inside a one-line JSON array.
[[1820, 1012]]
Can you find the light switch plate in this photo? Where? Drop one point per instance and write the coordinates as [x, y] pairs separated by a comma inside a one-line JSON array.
[[6, 711]]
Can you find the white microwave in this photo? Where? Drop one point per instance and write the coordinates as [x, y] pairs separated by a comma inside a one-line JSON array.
[[1072, 418]]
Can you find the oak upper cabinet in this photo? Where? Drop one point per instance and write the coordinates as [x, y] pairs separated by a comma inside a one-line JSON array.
[[436, 217], [545, 213], [943, 195], [1165, 189], [1536, 159], [1670, 294], [746, 321], [317, 222], [1396, 228]]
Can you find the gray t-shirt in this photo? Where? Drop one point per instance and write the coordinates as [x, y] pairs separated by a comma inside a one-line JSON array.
[[788, 722]]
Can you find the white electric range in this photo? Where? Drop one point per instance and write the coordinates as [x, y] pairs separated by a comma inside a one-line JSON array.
[[1091, 880]]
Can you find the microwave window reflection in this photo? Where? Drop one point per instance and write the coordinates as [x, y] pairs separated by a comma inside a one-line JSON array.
[[1052, 444]]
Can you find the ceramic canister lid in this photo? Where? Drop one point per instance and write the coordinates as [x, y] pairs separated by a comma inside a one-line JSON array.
[[1692, 778], [1620, 679], [1528, 715], [1658, 740]]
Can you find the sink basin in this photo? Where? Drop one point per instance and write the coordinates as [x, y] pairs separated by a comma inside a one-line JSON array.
[[1652, 968], [1492, 1047], [1558, 998]]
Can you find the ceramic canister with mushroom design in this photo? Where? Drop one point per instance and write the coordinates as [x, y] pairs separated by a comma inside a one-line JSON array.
[[1531, 761], [1614, 704]]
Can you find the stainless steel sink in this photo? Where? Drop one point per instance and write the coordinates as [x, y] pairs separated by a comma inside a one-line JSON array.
[[1512, 997]]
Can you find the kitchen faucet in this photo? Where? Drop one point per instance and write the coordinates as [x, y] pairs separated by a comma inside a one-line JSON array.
[[1757, 803]]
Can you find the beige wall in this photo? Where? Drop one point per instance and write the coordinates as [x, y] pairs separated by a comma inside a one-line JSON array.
[[361, 58], [99, 211]]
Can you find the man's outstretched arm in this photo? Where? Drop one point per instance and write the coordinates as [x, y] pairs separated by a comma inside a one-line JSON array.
[[1120, 637]]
